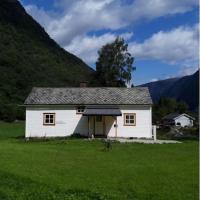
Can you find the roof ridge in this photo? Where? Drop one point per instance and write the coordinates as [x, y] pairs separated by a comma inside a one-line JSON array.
[[89, 95]]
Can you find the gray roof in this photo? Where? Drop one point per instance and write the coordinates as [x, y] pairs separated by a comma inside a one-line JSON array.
[[173, 116], [89, 96], [106, 111]]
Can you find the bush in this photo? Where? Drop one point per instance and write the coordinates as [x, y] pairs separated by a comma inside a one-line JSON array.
[[191, 131], [8, 112], [162, 132], [107, 145], [11, 112], [20, 114]]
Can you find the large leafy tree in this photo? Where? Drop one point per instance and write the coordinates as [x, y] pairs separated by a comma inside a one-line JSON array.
[[114, 64]]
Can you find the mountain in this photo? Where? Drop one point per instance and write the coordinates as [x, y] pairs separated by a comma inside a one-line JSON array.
[[182, 89], [29, 57]]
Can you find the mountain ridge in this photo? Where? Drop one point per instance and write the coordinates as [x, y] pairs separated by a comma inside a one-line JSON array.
[[184, 88]]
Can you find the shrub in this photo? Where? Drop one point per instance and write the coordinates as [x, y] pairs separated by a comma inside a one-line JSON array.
[[107, 145], [191, 131], [8, 112]]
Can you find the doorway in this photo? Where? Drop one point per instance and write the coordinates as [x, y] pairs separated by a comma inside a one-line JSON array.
[[99, 126]]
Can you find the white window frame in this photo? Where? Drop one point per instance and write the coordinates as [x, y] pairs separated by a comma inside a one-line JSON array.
[[49, 119], [129, 119]]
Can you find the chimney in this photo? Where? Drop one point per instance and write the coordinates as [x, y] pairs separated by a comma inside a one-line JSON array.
[[83, 84]]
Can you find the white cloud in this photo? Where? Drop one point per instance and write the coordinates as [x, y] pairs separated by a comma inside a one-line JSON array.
[[156, 8], [154, 80], [82, 16], [40, 15], [71, 21], [188, 69], [177, 46], [87, 47]]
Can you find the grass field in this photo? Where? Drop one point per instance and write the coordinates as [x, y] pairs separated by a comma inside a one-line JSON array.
[[78, 169]]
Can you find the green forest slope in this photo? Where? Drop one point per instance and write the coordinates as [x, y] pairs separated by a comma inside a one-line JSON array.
[[29, 57]]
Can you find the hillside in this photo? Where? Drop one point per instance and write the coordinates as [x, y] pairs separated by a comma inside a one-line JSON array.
[[29, 57], [182, 89]]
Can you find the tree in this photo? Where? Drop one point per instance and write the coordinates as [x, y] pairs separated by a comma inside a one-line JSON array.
[[182, 107], [166, 106], [114, 64]]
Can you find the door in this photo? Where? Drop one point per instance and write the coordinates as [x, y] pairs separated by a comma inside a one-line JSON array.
[[99, 126]]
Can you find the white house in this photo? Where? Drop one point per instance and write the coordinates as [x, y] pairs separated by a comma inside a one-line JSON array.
[[177, 119], [91, 112]]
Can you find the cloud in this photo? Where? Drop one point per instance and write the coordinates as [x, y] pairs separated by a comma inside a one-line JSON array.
[[76, 18], [177, 46], [154, 80], [87, 47], [69, 23], [188, 69], [157, 8], [39, 14]]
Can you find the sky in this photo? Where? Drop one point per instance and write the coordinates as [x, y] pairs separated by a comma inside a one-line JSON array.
[[162, 35]]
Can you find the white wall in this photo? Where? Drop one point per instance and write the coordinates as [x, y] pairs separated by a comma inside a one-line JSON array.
[[184, 121], [68, 122], [143, 127]]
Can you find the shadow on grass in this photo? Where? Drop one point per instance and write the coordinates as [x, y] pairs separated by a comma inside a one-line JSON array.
[[21, 137], [50, 139], [14, 187]]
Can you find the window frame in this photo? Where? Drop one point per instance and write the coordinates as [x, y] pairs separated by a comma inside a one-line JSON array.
[[44, 119], [80, 108], [134, 118]]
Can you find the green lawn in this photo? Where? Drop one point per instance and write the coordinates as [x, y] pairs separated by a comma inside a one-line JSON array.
[[78, 169]]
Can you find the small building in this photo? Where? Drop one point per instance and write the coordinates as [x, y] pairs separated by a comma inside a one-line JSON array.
[[176, 119], [91, 112]]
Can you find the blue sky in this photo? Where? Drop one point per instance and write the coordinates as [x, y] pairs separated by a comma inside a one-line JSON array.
[[162, 34]]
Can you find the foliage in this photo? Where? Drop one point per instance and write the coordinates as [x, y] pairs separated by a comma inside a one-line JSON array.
[[162, 133], [166, 106], [28, 58], [173, 133], [114, 64], [193, 131], [79, 169]]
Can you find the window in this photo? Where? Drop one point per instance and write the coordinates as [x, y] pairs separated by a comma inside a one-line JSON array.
[[49, 118], [98, 118], [80, 109], [129, 119]]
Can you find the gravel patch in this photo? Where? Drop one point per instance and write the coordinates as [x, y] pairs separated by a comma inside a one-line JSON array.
[[145, 141]]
